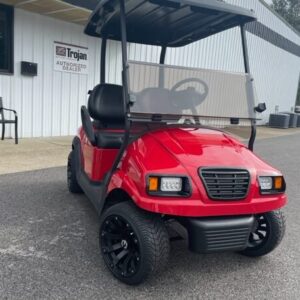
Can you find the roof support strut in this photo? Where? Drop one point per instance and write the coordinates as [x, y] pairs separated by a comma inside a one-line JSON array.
[[125, 100], [245, 49], [161, 69], [247, 70], [103, 60]]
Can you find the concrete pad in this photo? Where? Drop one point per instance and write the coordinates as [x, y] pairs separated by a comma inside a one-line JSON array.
[[263, 132], [33, 154], [268, 132]]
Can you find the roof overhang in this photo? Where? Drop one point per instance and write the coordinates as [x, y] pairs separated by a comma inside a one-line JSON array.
[[72, 11], [169, 23]]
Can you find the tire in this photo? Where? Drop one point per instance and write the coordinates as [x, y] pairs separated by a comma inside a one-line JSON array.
[[134, 244], [268, 234], [73, 185]]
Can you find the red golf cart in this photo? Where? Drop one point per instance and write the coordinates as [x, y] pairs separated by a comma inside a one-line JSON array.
[[153, 154]]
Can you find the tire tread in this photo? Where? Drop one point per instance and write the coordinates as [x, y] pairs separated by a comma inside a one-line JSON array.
[[73, 185]]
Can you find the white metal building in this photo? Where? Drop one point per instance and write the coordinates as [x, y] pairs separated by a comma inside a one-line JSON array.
[[49, 103]]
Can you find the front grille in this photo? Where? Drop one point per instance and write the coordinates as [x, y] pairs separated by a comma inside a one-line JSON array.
[[225, 184]]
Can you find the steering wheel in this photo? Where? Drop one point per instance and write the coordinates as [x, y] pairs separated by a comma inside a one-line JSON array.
[[189, 98], [199, 97]]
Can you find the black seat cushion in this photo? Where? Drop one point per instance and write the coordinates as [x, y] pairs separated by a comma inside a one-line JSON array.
[[109, 140], [112, 139], [106, 106]]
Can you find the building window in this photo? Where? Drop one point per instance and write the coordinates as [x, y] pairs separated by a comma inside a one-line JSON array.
[[6, 39]]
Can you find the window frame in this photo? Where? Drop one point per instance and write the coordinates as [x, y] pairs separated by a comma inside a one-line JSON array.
[[9, 12]]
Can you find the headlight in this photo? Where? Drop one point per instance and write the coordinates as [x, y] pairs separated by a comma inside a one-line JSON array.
[[168, 185], [265, 183], [271, 184]]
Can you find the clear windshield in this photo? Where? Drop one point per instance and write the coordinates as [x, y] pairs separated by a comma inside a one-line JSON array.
[[178, 91]]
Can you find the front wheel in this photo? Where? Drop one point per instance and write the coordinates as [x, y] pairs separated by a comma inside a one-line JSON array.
[[267, 235], [134, 243]]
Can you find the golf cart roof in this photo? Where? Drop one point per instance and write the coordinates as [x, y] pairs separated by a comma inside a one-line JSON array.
[[170, 23]]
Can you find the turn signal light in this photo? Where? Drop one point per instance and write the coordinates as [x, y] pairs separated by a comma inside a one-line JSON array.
[[153, 184], [278, 183]]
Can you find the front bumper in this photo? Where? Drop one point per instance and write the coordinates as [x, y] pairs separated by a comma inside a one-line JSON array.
[[209, 235], [190, 207]]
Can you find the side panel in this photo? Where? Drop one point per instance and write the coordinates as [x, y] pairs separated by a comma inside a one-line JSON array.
[[88, 156], [93, 190], [96, 162], [103, 160]]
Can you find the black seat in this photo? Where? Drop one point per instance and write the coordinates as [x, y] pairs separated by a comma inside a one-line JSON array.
[[106, 107], [109, 140]]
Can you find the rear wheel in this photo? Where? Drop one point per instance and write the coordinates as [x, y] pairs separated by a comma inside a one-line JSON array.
[[134, 243], [71, 174], [268, 233]]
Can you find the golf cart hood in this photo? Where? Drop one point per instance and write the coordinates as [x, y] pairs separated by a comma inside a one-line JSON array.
[[183, 152], [187, 149], [199, 148]]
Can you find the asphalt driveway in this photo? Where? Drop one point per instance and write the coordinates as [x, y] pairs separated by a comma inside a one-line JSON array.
[[49, 246]]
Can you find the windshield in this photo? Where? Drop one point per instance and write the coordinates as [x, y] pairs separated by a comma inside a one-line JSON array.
[[162, 90]]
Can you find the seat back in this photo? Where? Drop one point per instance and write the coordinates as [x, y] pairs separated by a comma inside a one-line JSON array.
[[106, 106]]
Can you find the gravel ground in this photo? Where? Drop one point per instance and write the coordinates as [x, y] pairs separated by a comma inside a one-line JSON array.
[[49, 246]]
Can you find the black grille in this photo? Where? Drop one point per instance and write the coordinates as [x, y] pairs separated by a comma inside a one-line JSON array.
[[224, 239], [225, 184]]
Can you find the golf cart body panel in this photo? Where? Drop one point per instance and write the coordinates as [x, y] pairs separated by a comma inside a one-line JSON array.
[[184, 152], [169, 23]]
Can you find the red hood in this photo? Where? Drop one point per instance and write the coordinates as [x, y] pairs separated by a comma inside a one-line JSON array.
[[207, 147], [181, 152]]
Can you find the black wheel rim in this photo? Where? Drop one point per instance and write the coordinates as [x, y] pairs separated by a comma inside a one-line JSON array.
[[120, 246], [260, 235]]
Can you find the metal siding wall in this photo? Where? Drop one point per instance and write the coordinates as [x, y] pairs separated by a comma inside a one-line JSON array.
[[48, 104], [276, 73], [268, 18], [221, 51]]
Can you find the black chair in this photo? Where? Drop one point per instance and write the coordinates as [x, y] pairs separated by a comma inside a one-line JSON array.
[[4, 121]]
